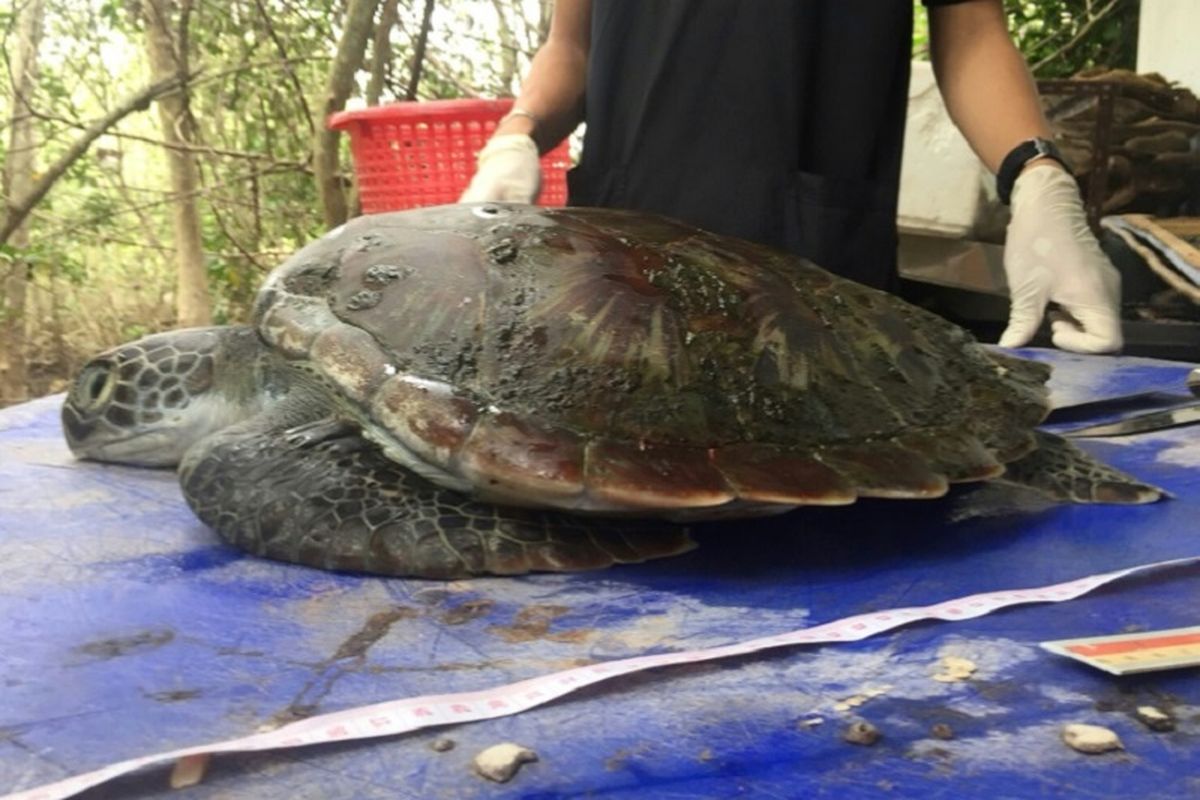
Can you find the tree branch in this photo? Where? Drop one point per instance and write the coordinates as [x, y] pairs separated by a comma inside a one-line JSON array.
[[287, 63], [199, 149], [381, 52], [91, 222], [1079, 36], [418, 62], [17, 210]]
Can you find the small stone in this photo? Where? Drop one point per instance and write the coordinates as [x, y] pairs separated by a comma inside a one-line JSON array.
[[942, 731], [1155, 719], [500, 762], [442, 744], [849, 703], [863, 733], [955, 669], [1090, 739], [189, 770], [856, 700]]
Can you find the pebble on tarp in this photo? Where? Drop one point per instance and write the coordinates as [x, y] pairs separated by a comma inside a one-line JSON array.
[[501, 762]]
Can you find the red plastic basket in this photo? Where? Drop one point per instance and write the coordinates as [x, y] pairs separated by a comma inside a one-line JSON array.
[[423, 153]]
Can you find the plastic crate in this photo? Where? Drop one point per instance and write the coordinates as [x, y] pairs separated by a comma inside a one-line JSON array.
[[423, 153]]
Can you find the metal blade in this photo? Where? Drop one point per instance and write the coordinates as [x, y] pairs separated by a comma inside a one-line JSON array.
[[1141, 423], [1165, 393], [1136, 402]]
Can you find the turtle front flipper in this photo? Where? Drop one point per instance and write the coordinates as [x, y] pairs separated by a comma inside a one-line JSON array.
[[1062, 471], [322, 495]]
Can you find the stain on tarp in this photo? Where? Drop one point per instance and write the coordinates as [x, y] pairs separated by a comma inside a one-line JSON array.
[[350, 656], [621, 758], [236, 651], [374, 629], [465, 612], [127, 645], [533, 622], [444, 666], [174, 695]]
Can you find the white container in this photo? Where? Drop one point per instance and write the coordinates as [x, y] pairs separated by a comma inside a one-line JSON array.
[[945, 190], [1167, 40]]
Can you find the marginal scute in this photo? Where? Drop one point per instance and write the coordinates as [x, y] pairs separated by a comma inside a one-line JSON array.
[[293, 322], [884, 469], [352, 359], [649, 476], [1034, 373], [1008, 443], [506, 456], [766, 474], [428, 417], [957, 454]]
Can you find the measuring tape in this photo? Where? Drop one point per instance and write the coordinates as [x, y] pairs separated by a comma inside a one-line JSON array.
[[1129, 653], [410, 714]]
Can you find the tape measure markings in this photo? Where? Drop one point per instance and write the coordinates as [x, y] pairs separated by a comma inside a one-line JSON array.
[[406, 715]]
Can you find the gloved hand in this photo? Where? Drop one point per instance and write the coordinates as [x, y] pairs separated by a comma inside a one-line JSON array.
[[1051, 255], [508, 171]]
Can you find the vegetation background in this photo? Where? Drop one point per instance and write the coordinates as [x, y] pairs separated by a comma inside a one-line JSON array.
[[161, 156]]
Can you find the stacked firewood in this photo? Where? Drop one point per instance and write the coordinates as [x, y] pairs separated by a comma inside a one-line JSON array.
[[1151, 163]]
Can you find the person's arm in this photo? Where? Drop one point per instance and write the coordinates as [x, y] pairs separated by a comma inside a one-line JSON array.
[[553, 89], [983, 78], [547, 109], [1050, 253]]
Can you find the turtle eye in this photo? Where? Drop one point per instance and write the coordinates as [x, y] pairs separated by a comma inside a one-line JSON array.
[[95, 385]]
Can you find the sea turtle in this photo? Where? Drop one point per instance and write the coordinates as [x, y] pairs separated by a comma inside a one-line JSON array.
[[497, 388]]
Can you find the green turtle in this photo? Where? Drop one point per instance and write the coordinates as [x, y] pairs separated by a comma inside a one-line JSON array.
[[496, 388]]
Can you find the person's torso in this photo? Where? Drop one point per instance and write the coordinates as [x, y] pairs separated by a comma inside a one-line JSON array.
[[779, 121]]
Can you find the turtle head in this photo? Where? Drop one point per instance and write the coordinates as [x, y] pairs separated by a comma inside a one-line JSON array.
[[148, 401]]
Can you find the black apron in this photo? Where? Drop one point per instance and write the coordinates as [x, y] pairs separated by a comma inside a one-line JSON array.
[[779, 121]]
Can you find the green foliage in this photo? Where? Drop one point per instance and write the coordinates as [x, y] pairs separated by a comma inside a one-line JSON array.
[[1063, 37], [920, 31], [1060, 38]]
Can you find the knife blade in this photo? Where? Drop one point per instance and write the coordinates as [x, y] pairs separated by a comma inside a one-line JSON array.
[[1162, 393], [1142, 423]]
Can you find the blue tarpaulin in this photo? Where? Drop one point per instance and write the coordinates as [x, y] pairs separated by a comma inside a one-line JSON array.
[[128, 628]]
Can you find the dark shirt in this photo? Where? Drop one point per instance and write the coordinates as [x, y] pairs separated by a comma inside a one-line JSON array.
[[780, 121]]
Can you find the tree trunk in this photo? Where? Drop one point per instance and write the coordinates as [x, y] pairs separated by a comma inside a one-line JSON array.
[[508, 52], [418, 59], [360, 15], [193, 304], [18, 181], [381, 51]]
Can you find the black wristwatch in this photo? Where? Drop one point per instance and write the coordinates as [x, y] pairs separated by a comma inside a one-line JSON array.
[[1016, 160]]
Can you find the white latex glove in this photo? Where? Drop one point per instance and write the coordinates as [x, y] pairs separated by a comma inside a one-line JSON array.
[[1051, 255], [508, 171]]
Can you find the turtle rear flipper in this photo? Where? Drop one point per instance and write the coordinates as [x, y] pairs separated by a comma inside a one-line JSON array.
[[1062, 471], [336, 502]]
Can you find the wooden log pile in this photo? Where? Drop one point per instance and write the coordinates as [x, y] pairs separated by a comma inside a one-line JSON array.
[[1170, 249], [1133, 140]]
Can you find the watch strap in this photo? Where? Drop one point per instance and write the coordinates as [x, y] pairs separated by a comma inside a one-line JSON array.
[[1018, 157]]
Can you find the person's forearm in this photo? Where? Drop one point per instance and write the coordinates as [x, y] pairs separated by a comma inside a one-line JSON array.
[[984, 80], [554, 88]]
